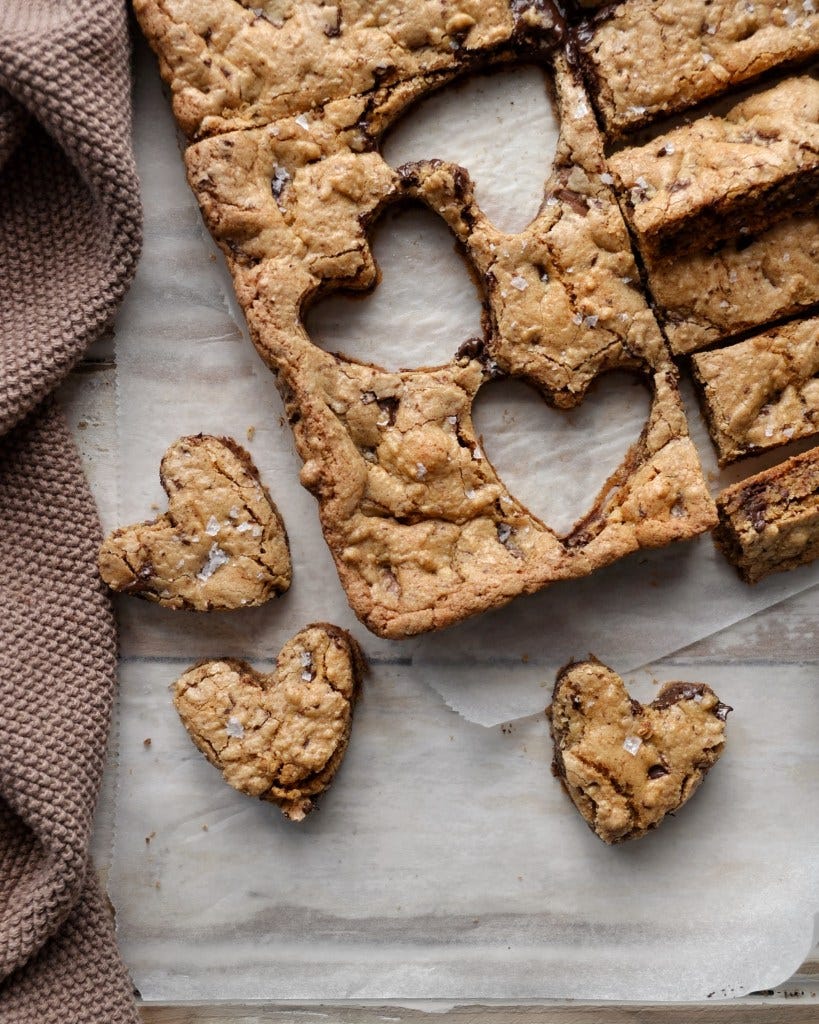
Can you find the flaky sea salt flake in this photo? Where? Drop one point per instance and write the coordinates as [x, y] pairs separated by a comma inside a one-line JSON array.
[[278, 181], [632, 744], [216, 559], [234, 727]]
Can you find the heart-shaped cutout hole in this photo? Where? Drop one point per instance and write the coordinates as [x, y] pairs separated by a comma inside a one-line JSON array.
[[221, 544], [555, 461], [502, 127], [280, 737], [424, 306], [625, 765]]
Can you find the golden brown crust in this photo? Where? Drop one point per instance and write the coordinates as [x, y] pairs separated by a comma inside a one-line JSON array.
[[763, 392], [280, 737], [422, 530], [626, 765], [221, 544], [770, 522], [649, 58]]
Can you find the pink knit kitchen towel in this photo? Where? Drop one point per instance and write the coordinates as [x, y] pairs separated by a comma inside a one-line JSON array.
[[69, 241]]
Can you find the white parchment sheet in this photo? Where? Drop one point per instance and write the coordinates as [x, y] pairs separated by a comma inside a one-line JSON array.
[[445, 863]]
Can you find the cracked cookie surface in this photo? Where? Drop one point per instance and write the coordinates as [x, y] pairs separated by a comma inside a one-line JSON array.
[[221, 544], [626, 765], [280, 737]]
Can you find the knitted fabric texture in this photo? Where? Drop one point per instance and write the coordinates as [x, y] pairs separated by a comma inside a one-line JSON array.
[[69, 241]]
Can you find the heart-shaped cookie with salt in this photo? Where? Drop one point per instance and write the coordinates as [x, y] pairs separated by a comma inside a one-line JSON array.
[[626, 765], [279, 737], [221, 544]]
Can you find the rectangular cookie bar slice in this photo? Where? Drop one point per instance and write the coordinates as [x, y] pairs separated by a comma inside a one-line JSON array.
[[737, 285], [770, 522], [724, 175], [645, 59], [762, 392]]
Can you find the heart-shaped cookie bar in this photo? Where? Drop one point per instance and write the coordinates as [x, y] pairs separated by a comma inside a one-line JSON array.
[[280, 737], [626, 765], [221, 544]]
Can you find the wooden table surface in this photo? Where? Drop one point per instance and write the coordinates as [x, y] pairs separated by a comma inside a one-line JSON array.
[[785, 633]]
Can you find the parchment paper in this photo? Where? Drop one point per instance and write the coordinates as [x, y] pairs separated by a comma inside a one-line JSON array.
[[445, 863]]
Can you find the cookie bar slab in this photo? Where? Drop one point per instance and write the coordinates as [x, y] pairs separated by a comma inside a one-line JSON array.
[[770, 522], [280, 737], [234, 64], [714, 293], [763, 392], [422, 530], [720, 176], [221, 544], [645, 59], [626, 765]]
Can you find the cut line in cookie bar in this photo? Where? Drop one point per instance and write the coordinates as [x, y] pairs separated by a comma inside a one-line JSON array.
[[770, 522], [762, 392], [737, 285], [646, 59], [722, 176]]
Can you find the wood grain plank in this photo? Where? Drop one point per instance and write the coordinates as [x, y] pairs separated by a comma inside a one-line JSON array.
[[745, 1011]]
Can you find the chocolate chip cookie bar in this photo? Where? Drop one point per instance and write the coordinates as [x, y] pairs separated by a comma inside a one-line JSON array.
[[723, 175], [626, 765], [422, 530], [279, 737], [763, 392], [721, 290], [645, 59], [221, 544], [770, 522]]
